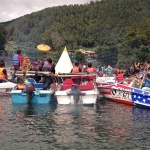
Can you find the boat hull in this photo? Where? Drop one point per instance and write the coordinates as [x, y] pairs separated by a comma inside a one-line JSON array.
[[39, 97], [90, 97], [141, 98], [116, 92], [85, 97], [4, 92]]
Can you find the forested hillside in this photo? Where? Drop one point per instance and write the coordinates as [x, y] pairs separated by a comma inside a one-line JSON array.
[[114, 27]]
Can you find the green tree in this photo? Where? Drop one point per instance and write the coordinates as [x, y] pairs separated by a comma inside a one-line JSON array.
[[107, 54], [3, 34]]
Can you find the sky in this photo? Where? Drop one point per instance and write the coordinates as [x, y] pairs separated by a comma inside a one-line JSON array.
[[11, 9]]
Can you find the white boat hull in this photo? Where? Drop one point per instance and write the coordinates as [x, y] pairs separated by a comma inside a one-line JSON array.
[[6, 87], [4, 92], [90, 97], [63, 98]]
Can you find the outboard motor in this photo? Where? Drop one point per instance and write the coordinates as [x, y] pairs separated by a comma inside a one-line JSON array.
[[76, 93], [28, 89]]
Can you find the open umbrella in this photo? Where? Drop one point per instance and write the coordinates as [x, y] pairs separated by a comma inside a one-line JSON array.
[[43, 48]]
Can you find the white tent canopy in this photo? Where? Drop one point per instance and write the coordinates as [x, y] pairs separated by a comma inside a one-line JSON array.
[[64, 64]]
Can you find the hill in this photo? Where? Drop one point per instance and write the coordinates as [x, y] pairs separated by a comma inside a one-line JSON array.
[[97, 24]]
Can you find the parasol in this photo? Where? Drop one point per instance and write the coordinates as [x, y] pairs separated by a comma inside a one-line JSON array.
[[43, 48]]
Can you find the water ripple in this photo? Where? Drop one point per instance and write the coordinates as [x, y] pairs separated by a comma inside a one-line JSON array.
[[106, 126]]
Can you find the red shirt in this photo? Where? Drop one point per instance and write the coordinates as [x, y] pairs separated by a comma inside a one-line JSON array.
[[20, 58]]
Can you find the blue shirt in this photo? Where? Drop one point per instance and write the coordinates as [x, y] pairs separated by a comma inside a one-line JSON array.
[[147, 82], [45, 63]]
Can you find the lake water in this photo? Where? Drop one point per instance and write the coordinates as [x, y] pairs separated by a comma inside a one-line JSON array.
[[106, 126]]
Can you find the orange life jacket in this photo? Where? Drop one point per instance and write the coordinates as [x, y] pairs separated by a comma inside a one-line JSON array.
[[75, 70], [2, 75], [91, 70], [20, 86]]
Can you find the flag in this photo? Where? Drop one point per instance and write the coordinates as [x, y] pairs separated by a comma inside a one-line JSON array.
[[140, 97]]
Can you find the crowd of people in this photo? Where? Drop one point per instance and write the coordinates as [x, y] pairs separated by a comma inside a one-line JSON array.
[[18, 63], [24, 64]]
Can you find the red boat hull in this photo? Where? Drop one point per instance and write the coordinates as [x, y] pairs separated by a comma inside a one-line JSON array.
[[116, 92]]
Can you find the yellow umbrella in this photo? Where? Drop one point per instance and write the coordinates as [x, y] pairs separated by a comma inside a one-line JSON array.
[[43, 48]]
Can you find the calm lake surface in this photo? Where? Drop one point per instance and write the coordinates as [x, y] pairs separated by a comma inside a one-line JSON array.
[[107, 126]]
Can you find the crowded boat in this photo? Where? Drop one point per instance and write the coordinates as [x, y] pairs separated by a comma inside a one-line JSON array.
[[39, 81]]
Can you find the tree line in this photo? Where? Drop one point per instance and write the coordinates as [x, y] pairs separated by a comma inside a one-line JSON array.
[[118, 29]]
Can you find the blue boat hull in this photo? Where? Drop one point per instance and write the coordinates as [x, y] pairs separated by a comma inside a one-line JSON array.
[[19, 97], [141, 98], [39, 97]]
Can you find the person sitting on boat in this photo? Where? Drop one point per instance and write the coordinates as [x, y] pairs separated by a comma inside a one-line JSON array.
[[35, 67], [100, 73], [90, 69], [120, 76], [84, 78], [17, 63], [22, 78], [118, 71], [20, 85], [108, 70], [76, 69], [146, 84], [102, 68], [84, 68], [136, 67], [3, 72], [44, 63], [48, 80], [146, 65]]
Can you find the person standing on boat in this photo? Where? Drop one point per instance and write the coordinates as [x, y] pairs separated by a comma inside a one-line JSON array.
[[17, 63], [76, 69], [118, 71], [48, 80], [3, 72], [35, 67], [90, 69], [146, 84], [108, 70]]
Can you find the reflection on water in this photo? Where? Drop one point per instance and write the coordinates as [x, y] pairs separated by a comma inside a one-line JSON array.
[[108, 125]]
